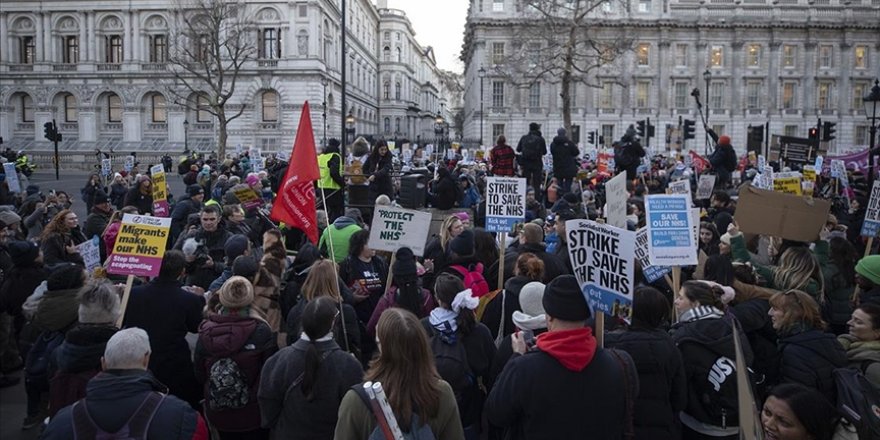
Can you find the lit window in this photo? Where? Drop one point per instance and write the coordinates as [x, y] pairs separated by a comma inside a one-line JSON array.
[[789, 55], [643, 54], [716, 56], [114, 108], [823, 96], [861, 57], [753, 55]]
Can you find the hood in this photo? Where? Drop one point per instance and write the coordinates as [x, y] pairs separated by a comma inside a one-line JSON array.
[[224, 335], [560, 139], [307, 255], [820, 343], [83, 347], [714, 334], [121, 384], [343, 222], [574, 349], [57, 310], [858, 351], [516, 283]]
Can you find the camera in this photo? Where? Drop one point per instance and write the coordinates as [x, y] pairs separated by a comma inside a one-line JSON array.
[[695, 92]]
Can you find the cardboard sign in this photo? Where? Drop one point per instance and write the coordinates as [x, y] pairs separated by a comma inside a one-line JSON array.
[[129, 163], [11, 177], [391, 145], [140, 246], [394, 228], [616, 196], [160, 191], [705, 186], [810, 172], [505, 203], [247, 197], [871, 225], [670, 230], [651, 273], [787, 184], [771, 213], [106, 167], [601, 259], [90, 252], [682, 186]]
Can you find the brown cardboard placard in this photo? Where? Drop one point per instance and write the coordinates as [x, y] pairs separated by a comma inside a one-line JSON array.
[[782, 215]]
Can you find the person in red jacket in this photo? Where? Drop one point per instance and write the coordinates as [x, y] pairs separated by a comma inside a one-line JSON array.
[[502, 158]]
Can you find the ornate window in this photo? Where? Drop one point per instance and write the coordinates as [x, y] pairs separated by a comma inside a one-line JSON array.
[[114, 108], [27, 108], [70, 114], [270, 106], [158, 108]]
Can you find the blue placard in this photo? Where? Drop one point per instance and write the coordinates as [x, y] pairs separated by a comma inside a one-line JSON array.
[[501, 224], [870, 228]]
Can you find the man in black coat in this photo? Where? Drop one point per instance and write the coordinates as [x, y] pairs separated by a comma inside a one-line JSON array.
[[167, 312], [723, 161], [566, 386], [208, 239], [189, 204], [99, 217], [532, 147], [114, 396], [531, 239], [565, 161]]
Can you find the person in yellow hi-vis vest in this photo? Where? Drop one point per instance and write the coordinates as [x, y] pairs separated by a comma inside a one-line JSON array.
[[331, 183]]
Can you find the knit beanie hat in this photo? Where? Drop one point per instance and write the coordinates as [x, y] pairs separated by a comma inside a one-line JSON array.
[[65, 276], [869, 267], [530, 300], [564, 299], [404, 263], [236, 293], [245, 266], [98, 304], [355, 214], [726, 239], [463, 244], [560, 132], [194, 190], [23, 252], [235, 246], [252, 179], [724, 140]]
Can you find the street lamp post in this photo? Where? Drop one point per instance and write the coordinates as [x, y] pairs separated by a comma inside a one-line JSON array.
[[482, 73], [438, 134], [349, 123], [185, 136], [707, 76], [872, 112], [324, 104]]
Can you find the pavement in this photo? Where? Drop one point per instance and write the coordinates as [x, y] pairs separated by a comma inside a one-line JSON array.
[[13, 400]]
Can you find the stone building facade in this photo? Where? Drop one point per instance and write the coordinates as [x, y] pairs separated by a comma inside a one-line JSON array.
[[783, 62]]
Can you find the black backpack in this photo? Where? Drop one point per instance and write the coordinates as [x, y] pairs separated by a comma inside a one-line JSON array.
[[36, 366], [450, 359], [622, 158], [716, 388], [136, 427], [858, 401], [531, 147]]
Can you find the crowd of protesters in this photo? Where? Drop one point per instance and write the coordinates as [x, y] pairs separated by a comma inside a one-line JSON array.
[[288, 330]]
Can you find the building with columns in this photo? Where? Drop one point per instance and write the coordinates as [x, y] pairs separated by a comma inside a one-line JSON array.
[[783, 62], [102, 72]]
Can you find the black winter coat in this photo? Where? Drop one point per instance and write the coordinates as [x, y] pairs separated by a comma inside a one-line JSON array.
[[446, 193], [553, 266], [167, 313], [19, 284], [662, 385], [113, 396], [723, 161], [493, 313], [809, 357], [349, 319], [565, 154], [54, 248], [532, 144], [380, 167], [79, 354], [134, 197], [755, 323]]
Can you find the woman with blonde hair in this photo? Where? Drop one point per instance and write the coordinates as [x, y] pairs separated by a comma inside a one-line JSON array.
[[437, 253], [60, 238], [323, 280], [808, 354], [418, 397]]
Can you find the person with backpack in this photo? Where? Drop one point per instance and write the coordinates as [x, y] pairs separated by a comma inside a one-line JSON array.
[[405, 292], [704, 337], [723, 161], [126, 401], [498, 313], [531, 239], [423, 403], [564, 386], [78, 358], [662, 386], [795, 412], [532, 147], [234, 344], [302, 385], [464, 265], [809, 355], [565, 161], [628, 154], [463, 348], [862, 342]]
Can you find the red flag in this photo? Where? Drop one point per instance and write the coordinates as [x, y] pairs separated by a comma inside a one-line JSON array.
[[700, 162], [295, 203]]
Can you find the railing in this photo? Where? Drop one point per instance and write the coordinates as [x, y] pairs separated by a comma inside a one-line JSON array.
[[791, 111], [497, 109], [21, 67], [157, 126], [154, 66], [644, 111], [108, 67], [607, 111], [69, 126], [113, 126], [267, 125], [21, 126], [203, 126], [64, 67], [267, 63], [755, 111]]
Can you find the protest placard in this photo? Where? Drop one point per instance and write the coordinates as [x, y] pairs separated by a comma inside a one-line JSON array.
[[762, 162], [11, 177], [247, 197], [505, 203], [705, 186], [787, 183], [670, 230], [820, 160], [128, 165], [601, 257], [838, 169], [90, 252], [809, 173], [391, 145], [781, 215], [106, 167], [160, 191], [616, 196], [682, 186], [871, 225], [394, 228], [651, 273], [140, 246]]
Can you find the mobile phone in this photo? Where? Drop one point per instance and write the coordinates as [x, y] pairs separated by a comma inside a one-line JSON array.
[[529, 338]]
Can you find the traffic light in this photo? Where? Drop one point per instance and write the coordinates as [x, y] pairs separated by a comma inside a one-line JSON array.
[[591, 138], [641, 128], [689, 129], [813, 133], [755, 139], [651, 131], [49, 131], [828, 131], [601, 140]]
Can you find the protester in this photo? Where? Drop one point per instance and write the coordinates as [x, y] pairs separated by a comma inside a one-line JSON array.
[[868, 278], [723, 161], [378, 168], [532, 148], [88, 192], [188, 205], [709, 239], [99, 215], [234, 343], [839, 276], [405, 292], [405, 367], [167, 312], [365, 275], [266, 290], [118, 190], [444, 192], [336, 238], [204, 248], [331, 180], [498, 314], [141, 195], [59, 239], [470, 197], [565, 160], [302, 385], [530, 319], [540, 392], [531, 239], [124, 393], [862, 342], [234, 221], [662, 382], [235, 246], [808, 354], [794, 412], [108, 236], [437, 252], [502, 158]]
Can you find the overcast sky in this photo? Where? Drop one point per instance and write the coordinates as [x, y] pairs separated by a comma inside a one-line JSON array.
[[439, 24]]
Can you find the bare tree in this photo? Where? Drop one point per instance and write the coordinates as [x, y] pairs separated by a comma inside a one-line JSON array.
[[564, 41], [213, 41]]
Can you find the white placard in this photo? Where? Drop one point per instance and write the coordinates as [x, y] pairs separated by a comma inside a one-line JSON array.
[[91, 253], [871, 225], [11, 177], [682, 186], [651, 273], [616, 197], [129, 163], [394, 228], [106, 167], [705, 186], [505, 203], [670, 230]]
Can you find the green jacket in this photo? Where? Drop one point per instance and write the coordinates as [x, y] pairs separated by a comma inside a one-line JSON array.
[[863, 356], [740, 253]]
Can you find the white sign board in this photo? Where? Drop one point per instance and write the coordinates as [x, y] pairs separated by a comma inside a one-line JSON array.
[[129, 163], [11, 177], [705, 186], [394, 228], [106, 167], [871, 225], [601, 256], [682, 186], [670, 230], [616, 196], [91, 253], [651, 273], [505, 203]]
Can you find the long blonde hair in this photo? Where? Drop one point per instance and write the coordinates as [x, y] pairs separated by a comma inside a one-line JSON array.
[[797, 267], [322, 280], [445, 233]]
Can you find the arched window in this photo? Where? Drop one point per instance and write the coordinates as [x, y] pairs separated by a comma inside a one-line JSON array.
[[397, 91], [114, 108], [270, 106], [157, 107], [202, 106], [386, 90], [387, 125], [386, 53], [70, 108], [399, 56], [397, 125]]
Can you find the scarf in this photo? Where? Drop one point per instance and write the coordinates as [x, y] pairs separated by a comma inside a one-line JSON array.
[[701, 312]]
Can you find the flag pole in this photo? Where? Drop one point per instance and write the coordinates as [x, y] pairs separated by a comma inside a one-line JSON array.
[[336, 273]]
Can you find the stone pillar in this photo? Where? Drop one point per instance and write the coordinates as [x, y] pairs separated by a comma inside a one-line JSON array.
[[127, 54], [175, 125], [40, 44], [5, 45], [136, 41], [92, 38], [773, 78], [131, 124], [88, 120], [663, 65], [844, 88], [84, 43], [810, 93], [6, 115]]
